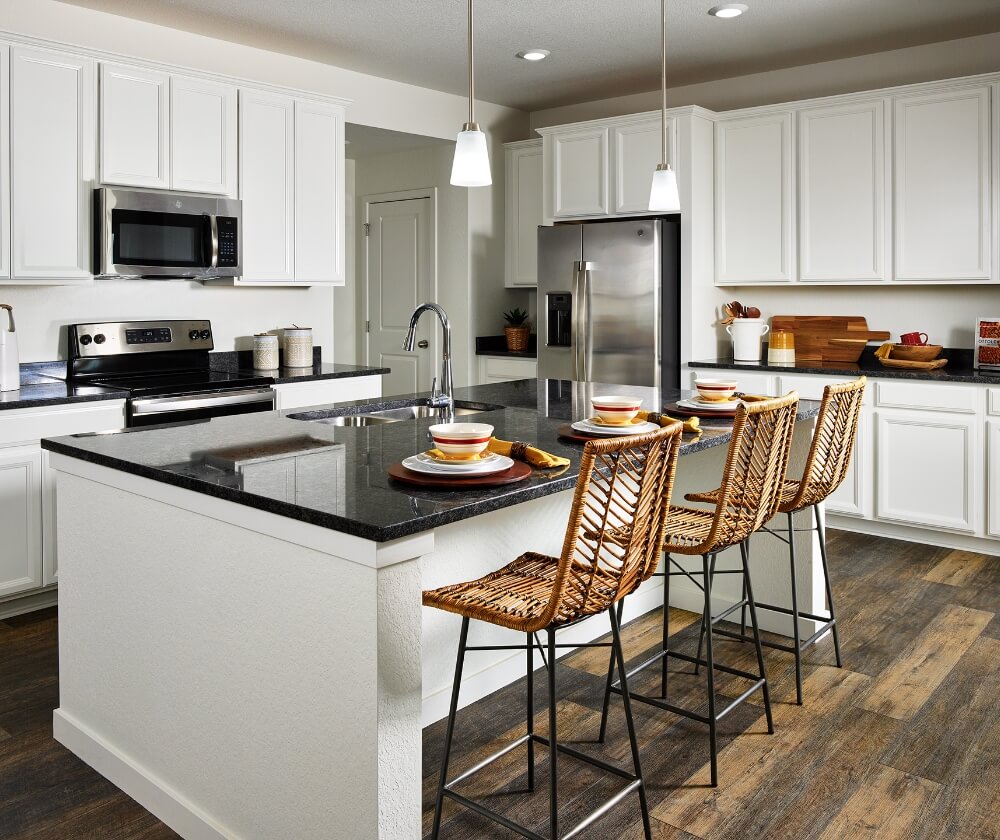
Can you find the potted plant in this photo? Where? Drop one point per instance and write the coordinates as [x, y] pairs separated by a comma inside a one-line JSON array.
[[517, 330]]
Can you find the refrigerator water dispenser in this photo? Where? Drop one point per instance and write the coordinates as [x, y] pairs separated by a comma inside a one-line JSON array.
[[559, 320]]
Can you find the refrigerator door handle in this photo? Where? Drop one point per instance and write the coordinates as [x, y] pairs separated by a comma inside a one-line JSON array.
[[577, 330], [584, 274]]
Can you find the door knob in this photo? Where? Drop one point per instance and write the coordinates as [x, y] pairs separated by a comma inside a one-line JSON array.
[[423, 345]]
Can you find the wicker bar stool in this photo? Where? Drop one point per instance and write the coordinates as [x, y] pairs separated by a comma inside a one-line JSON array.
[[612, 540], [748, 497], [826, 468]]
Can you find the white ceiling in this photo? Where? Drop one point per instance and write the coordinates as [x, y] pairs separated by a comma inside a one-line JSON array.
[[365, 141], [600, 48]]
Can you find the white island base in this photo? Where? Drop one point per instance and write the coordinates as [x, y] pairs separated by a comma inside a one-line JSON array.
[[245, 675]]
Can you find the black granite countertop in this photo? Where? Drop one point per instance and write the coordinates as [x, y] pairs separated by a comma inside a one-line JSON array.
[[320, 370], [958, 369], [344, 485], [56, 392], [496, 345]]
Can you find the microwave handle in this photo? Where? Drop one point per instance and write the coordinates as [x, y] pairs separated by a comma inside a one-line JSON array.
[[214, 221]]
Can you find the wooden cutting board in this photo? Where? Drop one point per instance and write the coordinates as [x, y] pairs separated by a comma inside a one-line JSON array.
[[821, 338]]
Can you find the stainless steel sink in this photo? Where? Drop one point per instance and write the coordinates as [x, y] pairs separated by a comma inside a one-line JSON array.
[[420, 411]]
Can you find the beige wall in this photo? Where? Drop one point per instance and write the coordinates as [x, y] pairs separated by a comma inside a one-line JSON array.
[[238, 313]]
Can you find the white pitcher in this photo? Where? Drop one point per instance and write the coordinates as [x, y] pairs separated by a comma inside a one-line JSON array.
[[10, 371], [747, 333]]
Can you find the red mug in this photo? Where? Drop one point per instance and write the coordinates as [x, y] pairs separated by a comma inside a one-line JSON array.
[[914, 339]]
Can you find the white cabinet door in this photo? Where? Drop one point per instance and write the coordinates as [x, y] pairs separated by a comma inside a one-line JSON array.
[[754, 189], [841, 192], [4, 161], [319, 193], [50, 542], [506, 369], [942, 185], [636, 153], [928, 469], [135, 115], [578, 176], [52, 165], [20, 519], [267, 186], [325, 391], [202, 136], [993, 478], [524, 212]]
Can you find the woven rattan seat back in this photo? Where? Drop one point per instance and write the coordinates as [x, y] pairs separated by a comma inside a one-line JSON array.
[[832, 444], [616, 522], [754, 473]]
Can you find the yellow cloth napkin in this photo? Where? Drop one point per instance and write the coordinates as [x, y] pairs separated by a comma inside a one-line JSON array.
[[754, 398], [528, 454], [884, 351], [691, 424], [441, 456]]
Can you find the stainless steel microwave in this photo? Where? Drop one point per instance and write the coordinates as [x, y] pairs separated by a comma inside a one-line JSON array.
[[166, 235]]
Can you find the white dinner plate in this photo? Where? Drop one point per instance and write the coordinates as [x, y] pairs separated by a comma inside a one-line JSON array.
[[591, 428], [422, 463], [707, 407], [456, 463]]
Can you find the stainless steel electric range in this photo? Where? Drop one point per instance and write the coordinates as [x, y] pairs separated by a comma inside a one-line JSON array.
[[164, 366]]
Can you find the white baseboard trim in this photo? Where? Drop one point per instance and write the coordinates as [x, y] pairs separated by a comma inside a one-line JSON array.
[[144, 787], [29, 603], [909, 533]]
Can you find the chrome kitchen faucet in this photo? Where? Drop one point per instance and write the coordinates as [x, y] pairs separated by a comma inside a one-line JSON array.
[[445, 398]]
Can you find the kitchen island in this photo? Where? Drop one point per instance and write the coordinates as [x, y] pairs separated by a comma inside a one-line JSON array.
[[242, 644]]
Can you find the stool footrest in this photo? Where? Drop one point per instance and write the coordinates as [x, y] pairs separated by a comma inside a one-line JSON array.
[[815, 637]]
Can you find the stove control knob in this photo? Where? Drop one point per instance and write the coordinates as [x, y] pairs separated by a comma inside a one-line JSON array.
[[85, 340], [205, 334], [193, 335], [99, 338]]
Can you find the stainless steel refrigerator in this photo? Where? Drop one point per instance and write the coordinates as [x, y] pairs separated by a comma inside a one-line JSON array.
[[609, 302]]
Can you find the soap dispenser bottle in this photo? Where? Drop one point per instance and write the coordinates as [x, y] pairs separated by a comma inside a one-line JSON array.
[[10, 370]]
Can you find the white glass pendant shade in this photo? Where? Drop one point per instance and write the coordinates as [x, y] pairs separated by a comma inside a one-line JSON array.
[[663, 195], [471, 167]]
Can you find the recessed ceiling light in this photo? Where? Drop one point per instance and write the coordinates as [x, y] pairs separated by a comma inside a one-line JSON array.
[[728, 10], [532, 54]]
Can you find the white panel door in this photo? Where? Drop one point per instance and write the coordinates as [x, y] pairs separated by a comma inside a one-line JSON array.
[[50, 541], [4, 161], [754, 239], [928, 469], [636, 151], [319, 193], [400, 278], [841, 192], [579, 173], [20, 519], [52, 164], [267, 186], [942, 185], [993, 478], [202, 136], [135, 117], [524, 213]]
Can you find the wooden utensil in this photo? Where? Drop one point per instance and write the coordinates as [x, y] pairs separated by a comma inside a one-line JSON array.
[[828, 338], [915, 352], [903, 364]]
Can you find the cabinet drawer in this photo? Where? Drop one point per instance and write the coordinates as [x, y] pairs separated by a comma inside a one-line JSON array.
[[324, 391], [752, 382], [33, 424], [993, 400], [811, 387], [921, 395], [503, 369]]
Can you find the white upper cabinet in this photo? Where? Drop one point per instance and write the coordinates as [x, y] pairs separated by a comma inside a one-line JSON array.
[[636, 153], [267, 124], [167, 132], [135, 112], [841, 192], [523, 171], [943, 185], [319, 193], [202, 136], [4, 161], [52, 161], [578, 181], [754, 238]]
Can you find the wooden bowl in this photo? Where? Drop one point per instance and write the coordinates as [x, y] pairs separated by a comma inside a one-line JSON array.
[[916, 352]]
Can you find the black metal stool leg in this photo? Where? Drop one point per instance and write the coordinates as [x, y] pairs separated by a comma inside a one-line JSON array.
[[610, 680], [795, 609], [745, 553], [643, 805], [701, 633], [666, 628], [829, 587], [463, 639], [531, 711], [553, 741], [708, 562], [743, 609]]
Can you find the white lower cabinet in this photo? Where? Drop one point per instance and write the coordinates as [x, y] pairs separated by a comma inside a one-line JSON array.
[[324, 391], [993, 478], [506, 369], [20, 519]]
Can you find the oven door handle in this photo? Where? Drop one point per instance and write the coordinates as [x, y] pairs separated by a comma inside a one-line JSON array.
[[167, 405]]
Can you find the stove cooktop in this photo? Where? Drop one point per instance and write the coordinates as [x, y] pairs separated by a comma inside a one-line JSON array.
[[181, 382]]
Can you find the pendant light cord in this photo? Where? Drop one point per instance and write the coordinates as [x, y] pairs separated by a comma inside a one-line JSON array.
[[663, 80], [472, 71]]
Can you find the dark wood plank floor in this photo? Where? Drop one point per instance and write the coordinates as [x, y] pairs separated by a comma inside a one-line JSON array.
[[903, 742]]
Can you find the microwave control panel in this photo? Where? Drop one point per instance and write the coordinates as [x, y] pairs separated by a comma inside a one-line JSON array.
[[229, 256]]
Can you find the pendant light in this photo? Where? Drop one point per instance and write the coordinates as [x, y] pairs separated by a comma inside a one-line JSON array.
[[471, 167], [663, 196]]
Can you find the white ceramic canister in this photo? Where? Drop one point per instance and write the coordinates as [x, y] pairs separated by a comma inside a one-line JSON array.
[[10, 370], [747, 333], [265, 351], [298, 347]]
